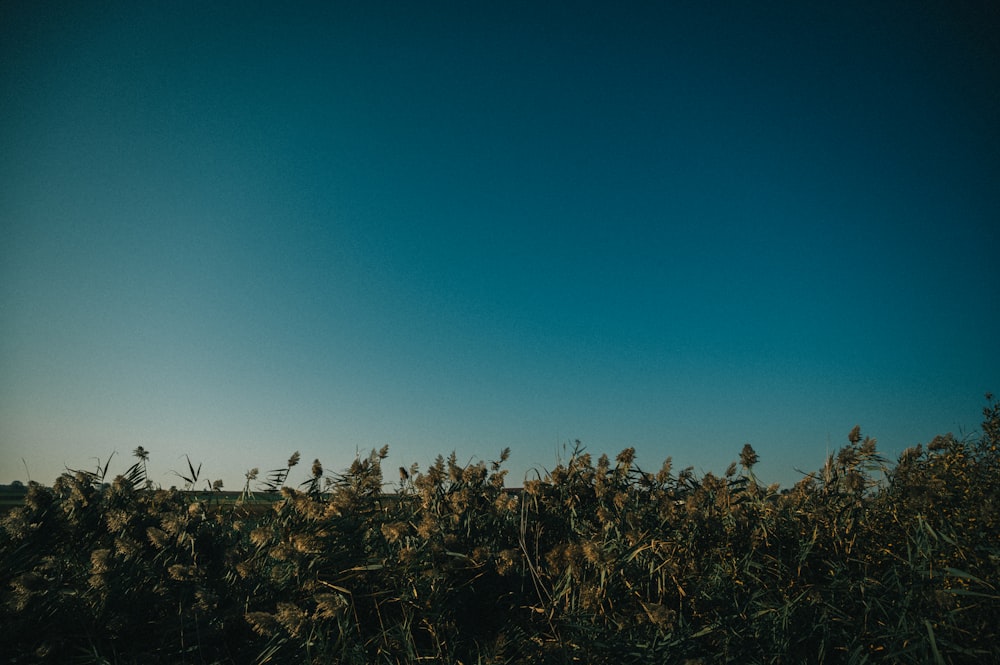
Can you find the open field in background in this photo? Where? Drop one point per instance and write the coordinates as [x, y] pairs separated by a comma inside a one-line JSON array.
[[597, 561], [11, 497]]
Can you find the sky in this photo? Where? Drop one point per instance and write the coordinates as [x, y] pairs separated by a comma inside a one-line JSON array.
[[233, 230]]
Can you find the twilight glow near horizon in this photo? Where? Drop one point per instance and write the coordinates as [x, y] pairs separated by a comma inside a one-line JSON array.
[[235, 231]]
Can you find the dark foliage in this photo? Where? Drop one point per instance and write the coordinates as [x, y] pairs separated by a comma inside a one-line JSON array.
[[592, 562]]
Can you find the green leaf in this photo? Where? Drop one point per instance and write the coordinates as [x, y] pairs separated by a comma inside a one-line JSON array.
[[955, 572], [930, 635], [704, 631]]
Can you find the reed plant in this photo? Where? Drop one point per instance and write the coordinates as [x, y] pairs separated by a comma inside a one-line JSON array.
[[594, 561]]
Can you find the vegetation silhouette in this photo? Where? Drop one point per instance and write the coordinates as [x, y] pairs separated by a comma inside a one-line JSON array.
[[595, 561]]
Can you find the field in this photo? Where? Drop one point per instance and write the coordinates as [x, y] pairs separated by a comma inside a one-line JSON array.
[[597, 561], [11, 497]]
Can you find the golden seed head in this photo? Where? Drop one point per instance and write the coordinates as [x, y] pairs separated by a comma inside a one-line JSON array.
[[329, 605], [263, 624], [291, 617], [100, 561], [626, 457]]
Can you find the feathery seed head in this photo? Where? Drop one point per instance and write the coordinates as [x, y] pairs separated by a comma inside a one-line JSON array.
[[291, 617], [157, 537], [263, 624], [100, 561]]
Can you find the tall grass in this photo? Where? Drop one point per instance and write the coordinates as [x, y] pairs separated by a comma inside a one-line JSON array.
[[595, 561]]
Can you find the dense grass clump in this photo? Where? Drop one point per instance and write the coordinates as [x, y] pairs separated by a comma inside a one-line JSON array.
[[595, 561]]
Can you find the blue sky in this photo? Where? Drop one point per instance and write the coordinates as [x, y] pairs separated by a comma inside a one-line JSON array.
[[236, 232]]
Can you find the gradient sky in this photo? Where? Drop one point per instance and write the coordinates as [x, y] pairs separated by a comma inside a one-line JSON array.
[[237, 232]]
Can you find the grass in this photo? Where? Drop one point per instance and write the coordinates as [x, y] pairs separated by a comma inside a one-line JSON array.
[[595, 561]]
